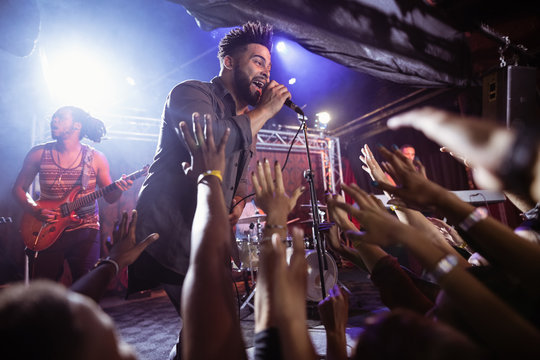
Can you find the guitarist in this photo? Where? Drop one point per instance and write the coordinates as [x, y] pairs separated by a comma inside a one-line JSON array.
[[62, 165]]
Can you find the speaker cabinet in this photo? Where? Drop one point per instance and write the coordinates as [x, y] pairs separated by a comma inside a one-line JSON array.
[[509, 96]]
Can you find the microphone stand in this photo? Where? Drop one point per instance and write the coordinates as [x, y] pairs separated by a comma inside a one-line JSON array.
[[308, 174]]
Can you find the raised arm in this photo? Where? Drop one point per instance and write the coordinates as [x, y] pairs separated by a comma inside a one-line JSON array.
[[494, 240], [123, 253], [404, 214], [272, 309], [475, 302], [362, 255], [208, 309]]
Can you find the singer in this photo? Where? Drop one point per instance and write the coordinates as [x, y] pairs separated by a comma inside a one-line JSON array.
[[242, 98]]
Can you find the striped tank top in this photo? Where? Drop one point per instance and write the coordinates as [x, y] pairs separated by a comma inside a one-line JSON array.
[[56, 182]]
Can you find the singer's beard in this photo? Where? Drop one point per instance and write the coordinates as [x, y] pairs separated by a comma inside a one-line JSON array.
[[242, 83]]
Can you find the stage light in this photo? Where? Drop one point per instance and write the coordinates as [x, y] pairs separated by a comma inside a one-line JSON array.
[[80, 77], [323, 117], [130, 81], [280, 47], [292, 81]]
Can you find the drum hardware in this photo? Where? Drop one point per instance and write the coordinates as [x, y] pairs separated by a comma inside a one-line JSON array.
[[249, 247], [319, 205], [330, 273], [308, 175]]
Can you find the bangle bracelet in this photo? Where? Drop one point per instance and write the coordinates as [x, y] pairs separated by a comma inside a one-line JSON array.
[[216, 173], [108, 260], [444, 266], [272, 226], [478, 214]]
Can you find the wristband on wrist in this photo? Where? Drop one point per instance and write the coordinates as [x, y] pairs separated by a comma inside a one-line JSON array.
[[216, 173], [444, 266], [478, 214], [108, 260]]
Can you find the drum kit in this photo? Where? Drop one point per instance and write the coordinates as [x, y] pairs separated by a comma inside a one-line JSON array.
[[248, 246]]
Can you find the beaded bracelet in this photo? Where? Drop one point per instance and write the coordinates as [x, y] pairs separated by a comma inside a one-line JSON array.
[[444, 266], [478, 214], [216, 173], [108, 260]]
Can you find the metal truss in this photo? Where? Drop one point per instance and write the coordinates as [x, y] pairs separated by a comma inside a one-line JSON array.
[[146, 129], [326, 147]]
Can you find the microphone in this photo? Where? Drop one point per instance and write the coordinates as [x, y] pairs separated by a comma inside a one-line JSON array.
[[294, 107]]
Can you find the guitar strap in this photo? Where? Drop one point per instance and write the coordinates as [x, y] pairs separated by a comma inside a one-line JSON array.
[[87, 164]]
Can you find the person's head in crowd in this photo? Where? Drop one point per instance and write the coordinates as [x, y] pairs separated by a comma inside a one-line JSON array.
[[404, 334], [47, 321], [408, 151], [245, 60]]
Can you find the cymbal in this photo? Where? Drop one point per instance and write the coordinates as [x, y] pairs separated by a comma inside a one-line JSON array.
[[253, 218], [320, 206]]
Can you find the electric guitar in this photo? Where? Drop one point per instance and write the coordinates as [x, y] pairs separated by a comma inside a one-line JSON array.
[[39, 235]]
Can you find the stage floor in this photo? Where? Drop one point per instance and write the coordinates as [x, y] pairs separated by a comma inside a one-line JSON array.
[[151, 324]]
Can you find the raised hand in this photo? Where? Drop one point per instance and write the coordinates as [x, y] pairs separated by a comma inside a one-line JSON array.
[[337, 214], [270, 195], [380, 227], [414, 189], [287, 313], [372, 167], [450, 234], [271, 198], [204, 153], [125, 250]]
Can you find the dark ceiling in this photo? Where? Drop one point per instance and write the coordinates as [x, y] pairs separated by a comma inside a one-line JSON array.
[[158, 44]]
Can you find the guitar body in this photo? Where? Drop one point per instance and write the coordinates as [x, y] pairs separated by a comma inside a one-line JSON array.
[[38, 235]]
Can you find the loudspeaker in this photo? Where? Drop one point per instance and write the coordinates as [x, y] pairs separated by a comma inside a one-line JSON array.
[[509, 96]]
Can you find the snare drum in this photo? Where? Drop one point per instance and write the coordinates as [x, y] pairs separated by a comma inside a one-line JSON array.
[[314, 292]]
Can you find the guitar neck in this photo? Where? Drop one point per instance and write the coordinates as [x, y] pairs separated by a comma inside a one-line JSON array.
[[87, 199]]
